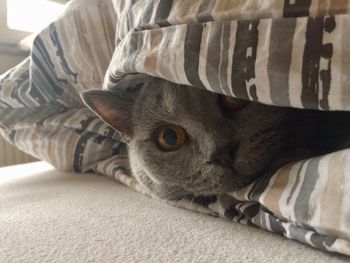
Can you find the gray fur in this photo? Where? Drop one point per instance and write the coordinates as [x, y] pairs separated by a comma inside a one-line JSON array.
[[260, 137]]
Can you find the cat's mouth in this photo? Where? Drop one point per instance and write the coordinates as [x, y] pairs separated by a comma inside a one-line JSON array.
[[228, 176]]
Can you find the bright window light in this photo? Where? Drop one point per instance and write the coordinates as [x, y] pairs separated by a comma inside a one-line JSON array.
[[12, 173], [31, 15]]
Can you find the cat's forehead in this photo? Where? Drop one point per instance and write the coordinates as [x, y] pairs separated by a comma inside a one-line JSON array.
[[166, 97], [165, 102]]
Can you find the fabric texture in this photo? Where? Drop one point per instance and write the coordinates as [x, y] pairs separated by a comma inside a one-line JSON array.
[[107, 222], [286, 53]]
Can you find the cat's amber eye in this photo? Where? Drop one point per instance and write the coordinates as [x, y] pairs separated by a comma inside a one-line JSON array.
[[232, 104], [170, 137]]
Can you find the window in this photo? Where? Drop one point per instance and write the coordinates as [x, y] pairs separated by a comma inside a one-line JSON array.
[[32, 15]]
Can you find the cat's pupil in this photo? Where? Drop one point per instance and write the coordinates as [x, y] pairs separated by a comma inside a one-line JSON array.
[[170, 137]]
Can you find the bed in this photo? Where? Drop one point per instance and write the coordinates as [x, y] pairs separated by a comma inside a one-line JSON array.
[[52, 216], [285, 53]]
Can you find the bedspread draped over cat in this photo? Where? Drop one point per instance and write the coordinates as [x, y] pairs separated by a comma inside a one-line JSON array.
[[285, 53]]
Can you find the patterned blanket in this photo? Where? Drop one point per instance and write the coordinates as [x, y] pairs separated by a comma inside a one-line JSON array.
[[288, 53]]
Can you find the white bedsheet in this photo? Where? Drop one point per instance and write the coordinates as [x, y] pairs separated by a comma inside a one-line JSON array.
[[51, 216]]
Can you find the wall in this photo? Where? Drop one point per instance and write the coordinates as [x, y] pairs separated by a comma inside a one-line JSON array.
[[8, 61]]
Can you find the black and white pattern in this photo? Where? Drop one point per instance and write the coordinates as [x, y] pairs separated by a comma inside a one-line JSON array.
[[287, 53]]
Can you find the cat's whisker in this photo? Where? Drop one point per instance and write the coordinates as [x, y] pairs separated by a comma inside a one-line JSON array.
[[180, 202], [191, 202], [170, 193], [183, 200]]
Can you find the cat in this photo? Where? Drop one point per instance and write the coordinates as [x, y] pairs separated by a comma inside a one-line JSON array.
[[188, 141]]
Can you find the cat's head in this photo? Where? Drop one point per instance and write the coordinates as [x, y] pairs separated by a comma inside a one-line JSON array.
[[183, 140]]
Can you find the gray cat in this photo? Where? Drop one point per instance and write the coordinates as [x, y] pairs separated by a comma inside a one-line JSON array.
[[187, 141]]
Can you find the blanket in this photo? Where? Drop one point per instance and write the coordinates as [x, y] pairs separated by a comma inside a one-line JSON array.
[[286, 53]]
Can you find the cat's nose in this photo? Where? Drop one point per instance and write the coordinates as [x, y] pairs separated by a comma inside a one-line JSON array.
[[224, 158]]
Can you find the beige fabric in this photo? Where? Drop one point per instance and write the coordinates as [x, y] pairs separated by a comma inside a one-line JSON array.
[[277, 52]]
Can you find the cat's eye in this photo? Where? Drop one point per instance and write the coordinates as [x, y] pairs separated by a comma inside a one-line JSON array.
[[170, 137], [232, 104]]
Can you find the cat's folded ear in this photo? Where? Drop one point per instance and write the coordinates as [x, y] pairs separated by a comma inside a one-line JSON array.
[[113, 107]]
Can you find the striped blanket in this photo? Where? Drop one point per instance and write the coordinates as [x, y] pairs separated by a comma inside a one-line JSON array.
[[288, 53]]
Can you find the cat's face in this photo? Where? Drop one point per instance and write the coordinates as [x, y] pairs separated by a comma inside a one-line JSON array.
[[184, 140]]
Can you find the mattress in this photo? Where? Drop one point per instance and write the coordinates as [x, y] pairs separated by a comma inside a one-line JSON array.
[[52, 216]]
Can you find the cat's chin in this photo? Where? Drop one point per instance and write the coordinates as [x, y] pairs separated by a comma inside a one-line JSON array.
[[210, 180], [230, 182]]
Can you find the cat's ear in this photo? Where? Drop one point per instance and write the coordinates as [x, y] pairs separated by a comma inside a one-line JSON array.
[[113, 107]]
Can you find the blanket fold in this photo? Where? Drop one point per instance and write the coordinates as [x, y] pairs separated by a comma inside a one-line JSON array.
[[285, 53]]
